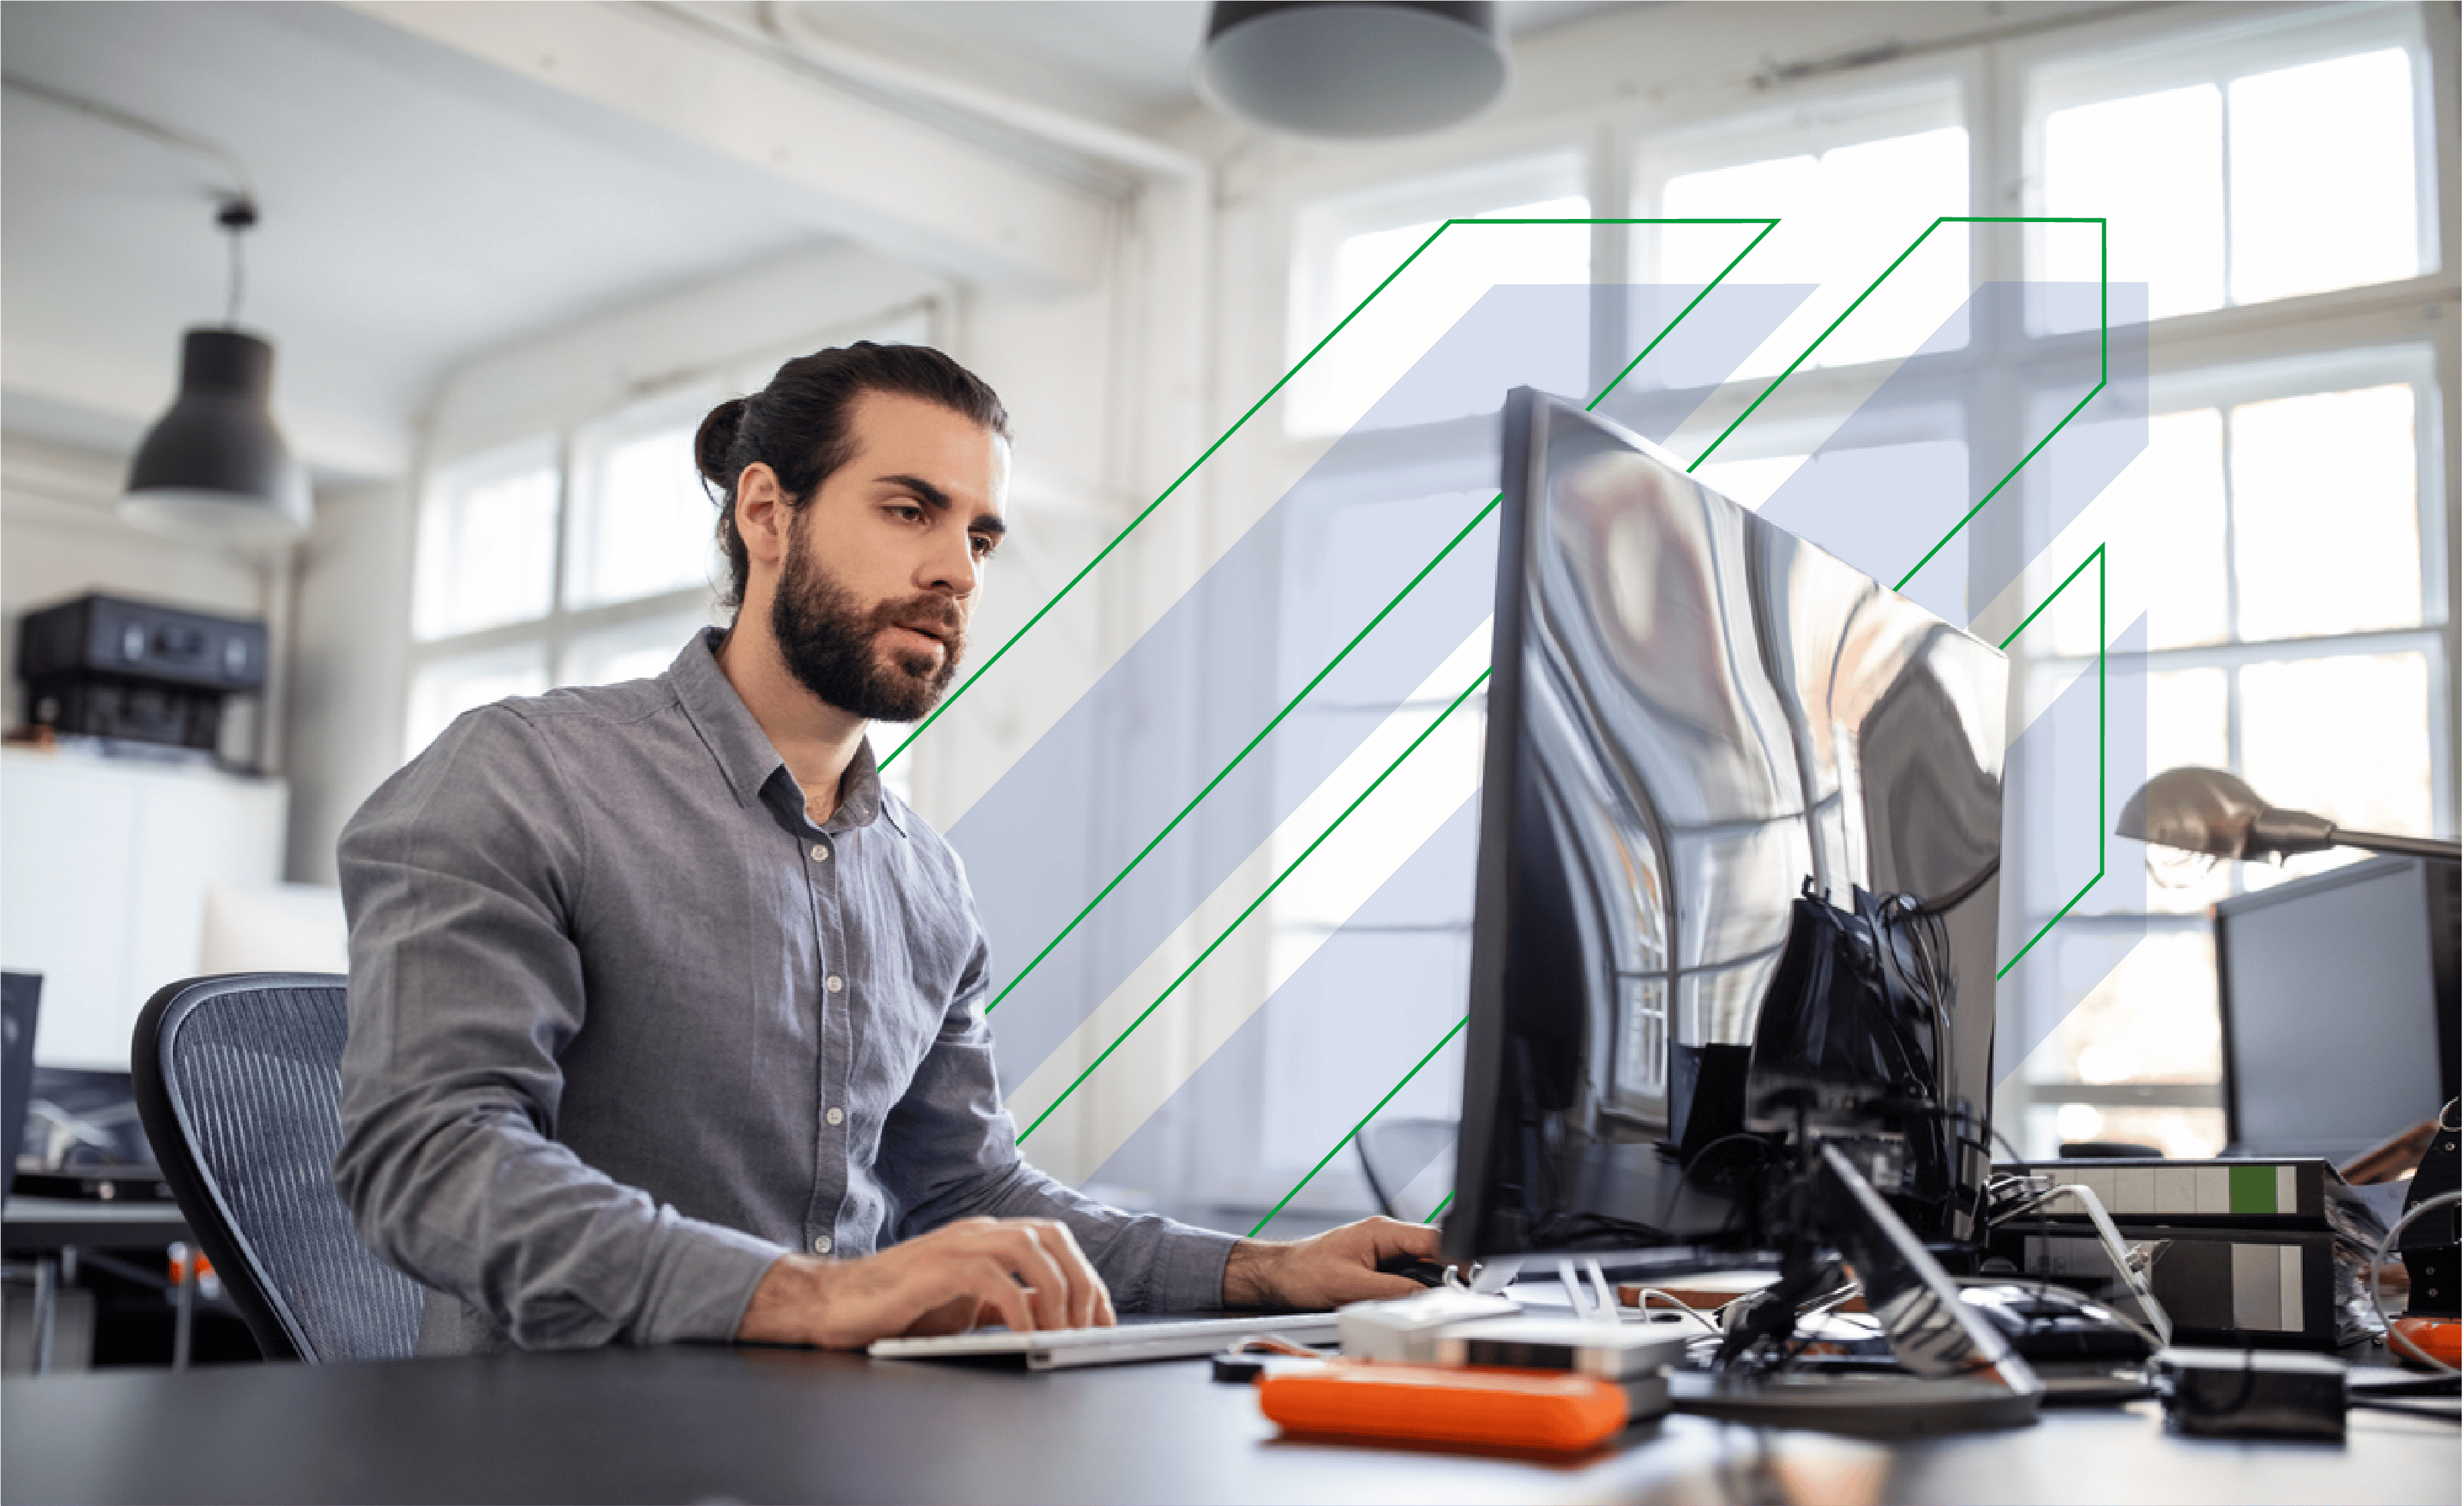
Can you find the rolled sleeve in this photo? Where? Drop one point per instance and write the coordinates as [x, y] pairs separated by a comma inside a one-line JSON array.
[[460, 877], [951, 1152]]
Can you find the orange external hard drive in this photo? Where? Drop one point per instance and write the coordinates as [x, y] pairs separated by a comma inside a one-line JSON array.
[[1503, 1409], [2433, 1339]]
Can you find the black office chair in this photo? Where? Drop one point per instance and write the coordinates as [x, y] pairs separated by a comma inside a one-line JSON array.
[[238, 1081], [1394, 1152]]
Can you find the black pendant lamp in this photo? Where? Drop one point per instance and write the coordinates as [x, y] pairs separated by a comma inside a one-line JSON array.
[[215, 467], [1353, 69]]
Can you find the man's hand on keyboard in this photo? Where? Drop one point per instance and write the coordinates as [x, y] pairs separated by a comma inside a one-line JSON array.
[[1027, 1273], [1328, 1270]]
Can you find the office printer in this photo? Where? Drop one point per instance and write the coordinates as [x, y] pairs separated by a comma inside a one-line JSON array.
[[109, 667]]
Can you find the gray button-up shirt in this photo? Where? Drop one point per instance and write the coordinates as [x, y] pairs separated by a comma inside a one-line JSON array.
[[627, 1026]]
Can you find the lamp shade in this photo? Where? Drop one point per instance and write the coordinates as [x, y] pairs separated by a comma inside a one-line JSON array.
[[214, 466], [2208, 810], [1353, 69]]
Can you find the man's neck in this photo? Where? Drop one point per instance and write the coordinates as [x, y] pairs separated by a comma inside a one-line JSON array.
[[815, 738]]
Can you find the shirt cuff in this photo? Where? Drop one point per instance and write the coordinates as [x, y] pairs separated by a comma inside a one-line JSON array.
[[706, 1277], [1187, 1275]]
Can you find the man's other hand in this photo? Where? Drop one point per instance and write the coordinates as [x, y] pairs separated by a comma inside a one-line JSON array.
[[1027, 1273], [1326, 1270]]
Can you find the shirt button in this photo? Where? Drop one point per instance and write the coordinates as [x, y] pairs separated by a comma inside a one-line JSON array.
[[835, 1116], [821, 1244], [834, 983], [821, 853]]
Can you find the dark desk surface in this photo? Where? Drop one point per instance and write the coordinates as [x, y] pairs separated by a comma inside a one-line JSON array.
[[57, 1223], [700, 1424]]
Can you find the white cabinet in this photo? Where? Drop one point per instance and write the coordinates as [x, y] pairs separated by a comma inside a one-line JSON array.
[[103, 870]]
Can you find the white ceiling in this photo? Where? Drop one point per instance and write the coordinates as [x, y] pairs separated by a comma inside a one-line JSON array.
[[406, 226], [415, 216]]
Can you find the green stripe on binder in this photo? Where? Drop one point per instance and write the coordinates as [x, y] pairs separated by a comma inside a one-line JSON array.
[[2254, 1190]]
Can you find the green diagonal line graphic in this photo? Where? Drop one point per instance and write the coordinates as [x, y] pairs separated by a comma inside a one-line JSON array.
[[2103, 374], [1225, 772], [1364, 1124], [2105, 354], [2096, 557], [1443, 1204], [1768, 224], [1425, 732]]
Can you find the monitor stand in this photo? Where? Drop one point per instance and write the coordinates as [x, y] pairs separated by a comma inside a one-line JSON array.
[[1963, 1372]]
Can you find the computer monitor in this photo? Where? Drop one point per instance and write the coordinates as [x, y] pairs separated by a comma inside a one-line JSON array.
[[2337, 994], [21, 998], [1691, 713]]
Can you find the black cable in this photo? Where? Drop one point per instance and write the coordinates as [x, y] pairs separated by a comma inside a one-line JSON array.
[[2044, 1237], [1750, 1137], [238, 216], [2384, 1403]]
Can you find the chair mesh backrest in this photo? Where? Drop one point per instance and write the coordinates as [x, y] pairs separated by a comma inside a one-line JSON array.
[[256, 1077]]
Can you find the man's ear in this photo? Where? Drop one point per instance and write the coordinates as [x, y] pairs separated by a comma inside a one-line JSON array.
[[761, 514]]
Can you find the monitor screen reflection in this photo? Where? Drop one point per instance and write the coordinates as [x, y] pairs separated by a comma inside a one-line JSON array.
[[1704, 712]]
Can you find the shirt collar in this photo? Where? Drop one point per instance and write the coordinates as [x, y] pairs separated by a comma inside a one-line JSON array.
[[744, 752]]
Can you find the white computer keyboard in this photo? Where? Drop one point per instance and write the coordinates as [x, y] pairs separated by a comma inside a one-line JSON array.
[[1058, 1348]]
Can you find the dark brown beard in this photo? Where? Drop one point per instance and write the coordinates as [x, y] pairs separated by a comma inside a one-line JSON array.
[[828, 642]]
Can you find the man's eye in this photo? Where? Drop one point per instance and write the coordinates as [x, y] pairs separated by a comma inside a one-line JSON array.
[[909, 512], [985, 544]]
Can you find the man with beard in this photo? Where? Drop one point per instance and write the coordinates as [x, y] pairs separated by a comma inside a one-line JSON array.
[[666, 1019]]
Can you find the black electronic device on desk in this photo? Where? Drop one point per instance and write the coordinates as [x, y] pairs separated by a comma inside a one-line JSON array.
[[1725, 768], [84, 1141], [137, 673], [2429, 1236], [21, 998]]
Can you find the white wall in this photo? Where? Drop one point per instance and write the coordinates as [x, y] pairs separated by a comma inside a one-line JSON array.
[[346, 667]]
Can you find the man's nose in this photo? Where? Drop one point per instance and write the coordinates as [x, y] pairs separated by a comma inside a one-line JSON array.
[[953, 567]]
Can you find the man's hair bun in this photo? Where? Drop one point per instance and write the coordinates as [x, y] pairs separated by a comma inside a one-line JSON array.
[[715, 441]]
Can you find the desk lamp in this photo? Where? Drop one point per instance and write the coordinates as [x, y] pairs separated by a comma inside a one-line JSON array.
[[2209, 811]]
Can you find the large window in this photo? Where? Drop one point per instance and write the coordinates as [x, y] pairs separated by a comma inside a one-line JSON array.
[[563, 560], [2285, 528], [2262, 161], [2293, 637], [2271, 175]]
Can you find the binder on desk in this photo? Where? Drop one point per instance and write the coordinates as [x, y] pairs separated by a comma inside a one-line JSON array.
[[2289, 1192], [2273, 1287]]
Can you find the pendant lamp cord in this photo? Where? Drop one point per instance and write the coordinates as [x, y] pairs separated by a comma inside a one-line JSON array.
[[237, 217]]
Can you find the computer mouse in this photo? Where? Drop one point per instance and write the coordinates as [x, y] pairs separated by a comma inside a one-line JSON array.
[[1419, 1268], [2054, 1323]]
